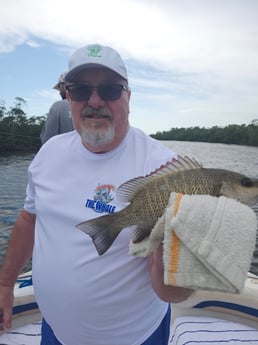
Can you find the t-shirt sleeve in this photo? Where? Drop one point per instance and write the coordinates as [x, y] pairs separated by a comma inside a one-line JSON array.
[[29, 204]]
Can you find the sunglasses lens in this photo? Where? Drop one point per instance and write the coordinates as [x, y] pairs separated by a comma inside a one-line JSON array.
[[79, 92], [110, 92]]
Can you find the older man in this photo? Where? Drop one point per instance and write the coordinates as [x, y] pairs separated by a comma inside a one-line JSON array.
[[86, 298]]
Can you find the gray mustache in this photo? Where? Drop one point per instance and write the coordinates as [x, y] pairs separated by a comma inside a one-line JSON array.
[[91, 112]]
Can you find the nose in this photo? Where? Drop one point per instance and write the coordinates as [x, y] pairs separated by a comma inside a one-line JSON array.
[[95, 100]]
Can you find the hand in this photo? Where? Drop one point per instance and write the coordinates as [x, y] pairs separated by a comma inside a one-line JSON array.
[[173, 294], [6, 306]]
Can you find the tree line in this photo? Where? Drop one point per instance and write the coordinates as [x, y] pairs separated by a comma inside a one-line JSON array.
[[231, 134], [20, 133]]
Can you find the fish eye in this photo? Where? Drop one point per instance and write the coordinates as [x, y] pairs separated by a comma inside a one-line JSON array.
[[246, 182]]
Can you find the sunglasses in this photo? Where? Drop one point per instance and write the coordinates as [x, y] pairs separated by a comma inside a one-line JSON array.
[[107, 92]]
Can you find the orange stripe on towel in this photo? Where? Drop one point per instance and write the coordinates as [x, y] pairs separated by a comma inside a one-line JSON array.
[[175, 246]]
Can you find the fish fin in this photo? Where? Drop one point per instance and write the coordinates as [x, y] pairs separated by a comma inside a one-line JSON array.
[[101, 231], [127, 190], [139, 234], [185, 163]]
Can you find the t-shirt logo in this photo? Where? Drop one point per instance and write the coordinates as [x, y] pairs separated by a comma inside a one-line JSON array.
[[103, 195]]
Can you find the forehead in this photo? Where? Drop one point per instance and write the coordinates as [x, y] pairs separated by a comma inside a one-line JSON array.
[[96, 74]]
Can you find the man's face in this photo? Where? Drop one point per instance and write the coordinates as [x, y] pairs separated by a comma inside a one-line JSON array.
[[102, 124], [62, 90]]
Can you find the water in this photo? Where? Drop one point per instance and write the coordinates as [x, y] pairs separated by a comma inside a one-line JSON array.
[[13, 178], [243, 159]]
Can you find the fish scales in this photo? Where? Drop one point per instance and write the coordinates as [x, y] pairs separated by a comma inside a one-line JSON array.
[[156, 194], [148, 197]]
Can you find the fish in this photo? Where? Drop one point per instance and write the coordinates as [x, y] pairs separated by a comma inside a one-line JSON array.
[[148, 198]]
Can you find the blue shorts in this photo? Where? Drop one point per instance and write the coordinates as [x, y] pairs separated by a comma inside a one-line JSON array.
[[159, 337]]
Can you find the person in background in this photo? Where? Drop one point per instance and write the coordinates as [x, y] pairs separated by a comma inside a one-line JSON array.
[[85, 298], [59, 118]]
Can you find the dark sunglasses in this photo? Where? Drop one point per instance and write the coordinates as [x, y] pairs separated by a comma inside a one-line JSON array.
[[107, 92]]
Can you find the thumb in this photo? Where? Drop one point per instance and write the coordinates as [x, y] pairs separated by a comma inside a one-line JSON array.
[[6, 317]]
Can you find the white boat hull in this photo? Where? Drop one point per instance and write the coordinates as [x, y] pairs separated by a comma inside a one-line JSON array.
[[242, 309]]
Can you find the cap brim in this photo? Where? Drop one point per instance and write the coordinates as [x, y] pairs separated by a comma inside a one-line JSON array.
[[80, 68]]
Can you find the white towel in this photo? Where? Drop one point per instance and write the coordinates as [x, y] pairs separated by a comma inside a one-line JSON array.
[[208, 242]]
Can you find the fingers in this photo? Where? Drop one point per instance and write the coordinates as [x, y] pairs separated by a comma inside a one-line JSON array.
[[5, 319], [1, 322], [8, 318]]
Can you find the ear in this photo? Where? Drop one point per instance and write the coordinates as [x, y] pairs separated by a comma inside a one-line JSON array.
[[68, 96], [129, 94]]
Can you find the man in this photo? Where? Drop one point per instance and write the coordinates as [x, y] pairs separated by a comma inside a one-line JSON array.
[[60, 85], [59, 118], [86, 298]]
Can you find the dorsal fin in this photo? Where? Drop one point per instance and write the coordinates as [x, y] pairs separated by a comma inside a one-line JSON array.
[[128, 189]]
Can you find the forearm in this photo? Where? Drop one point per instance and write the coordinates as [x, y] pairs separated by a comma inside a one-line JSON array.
[[167, 293], [19, 248]]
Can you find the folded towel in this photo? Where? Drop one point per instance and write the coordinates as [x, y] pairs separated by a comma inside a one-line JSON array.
[[208, 242]]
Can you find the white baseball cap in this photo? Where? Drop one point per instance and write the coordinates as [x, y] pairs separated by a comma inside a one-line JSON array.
[[95, 55], [61, 80]]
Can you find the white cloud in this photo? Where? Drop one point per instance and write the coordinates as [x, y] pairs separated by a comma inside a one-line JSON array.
[[199, 35], [190, 60], [48, 93], [32, 43]]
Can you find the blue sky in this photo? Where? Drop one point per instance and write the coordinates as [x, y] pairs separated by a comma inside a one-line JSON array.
[[190, 62]]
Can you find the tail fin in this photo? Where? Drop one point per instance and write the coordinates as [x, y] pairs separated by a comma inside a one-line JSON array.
[[102, 231]]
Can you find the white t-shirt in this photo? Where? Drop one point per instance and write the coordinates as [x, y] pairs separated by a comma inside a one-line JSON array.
[[87, 298]]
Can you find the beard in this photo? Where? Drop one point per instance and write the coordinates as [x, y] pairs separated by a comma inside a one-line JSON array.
[[97, 137]]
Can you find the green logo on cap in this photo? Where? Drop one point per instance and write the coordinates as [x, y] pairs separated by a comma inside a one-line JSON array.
[[94, 51]]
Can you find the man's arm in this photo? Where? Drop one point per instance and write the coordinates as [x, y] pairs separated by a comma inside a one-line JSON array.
[[18, 253], [167, 293]]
